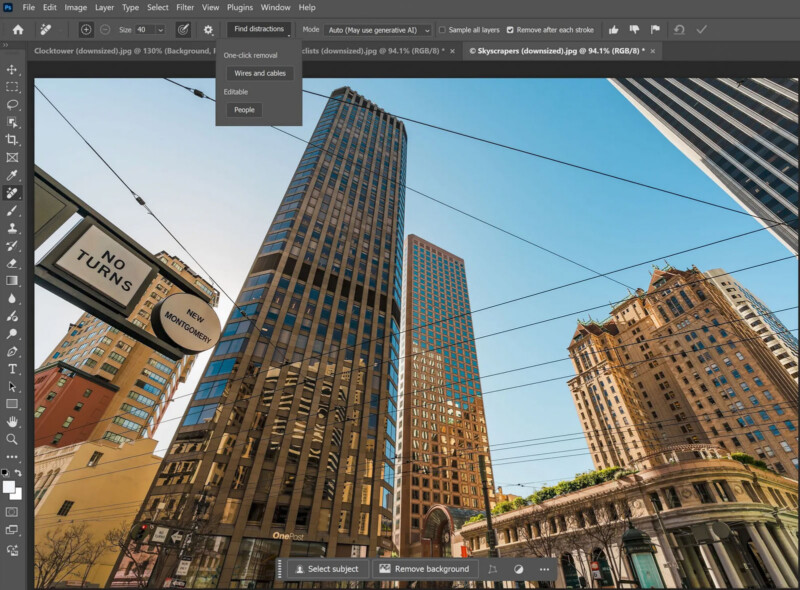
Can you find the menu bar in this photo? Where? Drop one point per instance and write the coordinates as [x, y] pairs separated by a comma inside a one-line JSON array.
[[421, 8]]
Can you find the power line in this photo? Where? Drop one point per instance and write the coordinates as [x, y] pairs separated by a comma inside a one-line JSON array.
[[344, 421], [294, 386], [608, 429], [556, 161], [202, 95], [151, 212], [377, 173], [449, 383], [376, 471]]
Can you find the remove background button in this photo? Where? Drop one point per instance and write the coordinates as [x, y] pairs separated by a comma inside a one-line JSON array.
[[244, 109], [260, 73]]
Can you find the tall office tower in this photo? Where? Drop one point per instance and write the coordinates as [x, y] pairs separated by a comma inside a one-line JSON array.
[[780, 340], [287, 447], [676, 369], [741, 132], [442, 426], [99, 383]]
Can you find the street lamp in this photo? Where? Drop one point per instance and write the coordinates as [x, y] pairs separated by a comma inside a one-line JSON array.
[[640, 550]]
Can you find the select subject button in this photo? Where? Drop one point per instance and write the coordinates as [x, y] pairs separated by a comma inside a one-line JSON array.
[[244, 109]]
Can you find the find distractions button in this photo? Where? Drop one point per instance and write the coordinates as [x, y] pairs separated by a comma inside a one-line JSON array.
[[244, 109]]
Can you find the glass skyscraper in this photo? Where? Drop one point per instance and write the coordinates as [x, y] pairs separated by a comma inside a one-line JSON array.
[[742, 132], [442, 427], [287, 447]]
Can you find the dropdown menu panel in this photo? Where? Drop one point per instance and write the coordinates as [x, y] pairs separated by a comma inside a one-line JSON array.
[[259, 81]]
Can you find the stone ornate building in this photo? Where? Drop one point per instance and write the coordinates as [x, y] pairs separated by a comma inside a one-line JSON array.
[[677, 363], [715, 523]]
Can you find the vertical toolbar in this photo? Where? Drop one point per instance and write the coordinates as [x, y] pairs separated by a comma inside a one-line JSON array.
[[14, 376]]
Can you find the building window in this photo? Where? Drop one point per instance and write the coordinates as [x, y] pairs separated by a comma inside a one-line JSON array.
[[57, 437], [68, 421], [94, 459], [723, 491], [703, 493], [78, 406], [65, 508], [39, 411], [673, 501]]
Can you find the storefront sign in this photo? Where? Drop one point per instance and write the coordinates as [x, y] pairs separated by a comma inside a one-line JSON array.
[[291, 536], [187, 322]]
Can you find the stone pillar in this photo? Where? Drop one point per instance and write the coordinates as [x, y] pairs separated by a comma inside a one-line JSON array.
[[716, 574], [777, 554], [669, 556], [789, 548], [766, 557], [695, 566], [727, 561]]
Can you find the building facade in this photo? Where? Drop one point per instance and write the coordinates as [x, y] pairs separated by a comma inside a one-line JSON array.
[[145, 380], [742, 132], [83, 483], [714, 523], [677, 364], [62, 392], [442, 425], [780, 340], [287, 447]]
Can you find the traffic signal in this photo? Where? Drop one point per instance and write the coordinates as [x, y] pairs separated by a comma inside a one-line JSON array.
[[139, 531]]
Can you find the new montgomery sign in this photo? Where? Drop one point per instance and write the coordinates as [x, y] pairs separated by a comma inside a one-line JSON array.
[[186, 321]]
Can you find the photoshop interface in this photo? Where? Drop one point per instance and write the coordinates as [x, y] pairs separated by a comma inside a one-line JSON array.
[[399, 295]]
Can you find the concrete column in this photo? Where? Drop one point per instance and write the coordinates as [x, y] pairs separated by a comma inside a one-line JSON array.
[[789, 548], [716, 574], [696, 566], [766, 557], [777, 554], [688, 570], [665, 549], [728, 564]]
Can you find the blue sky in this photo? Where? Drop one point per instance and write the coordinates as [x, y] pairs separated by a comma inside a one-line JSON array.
[[217, 188]]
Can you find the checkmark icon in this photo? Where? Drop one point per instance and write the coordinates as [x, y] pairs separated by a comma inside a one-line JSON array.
[[701, 30]]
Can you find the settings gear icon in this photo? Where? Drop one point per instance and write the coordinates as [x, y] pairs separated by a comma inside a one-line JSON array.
[[208, 30]]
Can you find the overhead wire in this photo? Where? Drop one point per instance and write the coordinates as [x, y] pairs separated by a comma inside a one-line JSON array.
[[290, 387]]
